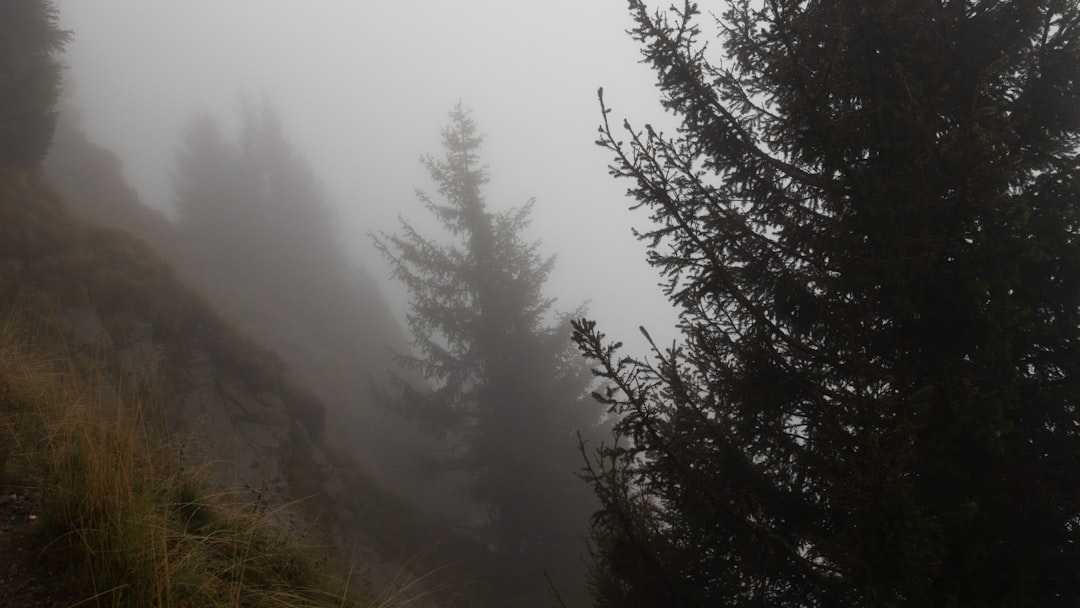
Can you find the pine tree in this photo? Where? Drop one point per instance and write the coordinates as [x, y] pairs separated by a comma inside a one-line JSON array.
[[868, 217], [253, 203], [30, 75], [293, 222], [504, 380], [207, 187]]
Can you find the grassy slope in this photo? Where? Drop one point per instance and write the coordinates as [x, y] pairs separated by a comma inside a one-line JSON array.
[[121, 522], [50, 263], [129, 527], [341, 368], [338, 344]]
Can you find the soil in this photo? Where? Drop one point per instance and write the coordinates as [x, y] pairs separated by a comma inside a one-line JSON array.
[[26, 579]]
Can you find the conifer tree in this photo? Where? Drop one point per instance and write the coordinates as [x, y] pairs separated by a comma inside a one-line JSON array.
[[293, 222], [505, 380], [30, 74], [253, 203], [868, 217], [207, 187]]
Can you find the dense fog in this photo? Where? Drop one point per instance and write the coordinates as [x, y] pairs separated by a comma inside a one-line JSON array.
[[329, 263], [363, 89], [271, 153]]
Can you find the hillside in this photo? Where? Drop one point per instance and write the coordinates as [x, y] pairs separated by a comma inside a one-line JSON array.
[[110, 313], [106, 294], [96, 508], [339, 344]]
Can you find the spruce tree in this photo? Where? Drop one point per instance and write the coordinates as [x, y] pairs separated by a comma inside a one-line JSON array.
[[30, 74], [503, 376], [868, 217], [207, 186], [254, 207], [294, 224]]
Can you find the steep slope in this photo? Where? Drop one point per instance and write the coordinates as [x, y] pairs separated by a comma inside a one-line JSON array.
[[96, 509], [118, 314], [108, 296], [339, 347], [92, 183]]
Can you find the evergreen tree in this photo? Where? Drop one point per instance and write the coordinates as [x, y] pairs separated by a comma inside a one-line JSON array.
[[255, 206], [505, 381], [291, 210], [30, 75], [257, 234], [868, 217], [207, 188]]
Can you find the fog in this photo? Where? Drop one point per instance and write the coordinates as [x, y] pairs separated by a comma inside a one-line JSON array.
[[364, 89]]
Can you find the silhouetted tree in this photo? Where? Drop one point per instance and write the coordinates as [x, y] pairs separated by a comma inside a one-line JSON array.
[[869, 220], [506, 381], [30, 76]]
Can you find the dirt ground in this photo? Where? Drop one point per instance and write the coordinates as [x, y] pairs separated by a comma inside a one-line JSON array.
[[26, 580]]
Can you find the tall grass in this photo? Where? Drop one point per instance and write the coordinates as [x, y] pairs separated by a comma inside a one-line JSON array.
[[120, 519]]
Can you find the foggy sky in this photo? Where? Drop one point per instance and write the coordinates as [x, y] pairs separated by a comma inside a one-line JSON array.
[[364, 89]]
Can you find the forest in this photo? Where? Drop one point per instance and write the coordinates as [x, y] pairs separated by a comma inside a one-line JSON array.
[[753, 303]]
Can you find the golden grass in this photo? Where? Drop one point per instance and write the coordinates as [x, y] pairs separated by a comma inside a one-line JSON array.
[[124, 523], [120, 519]]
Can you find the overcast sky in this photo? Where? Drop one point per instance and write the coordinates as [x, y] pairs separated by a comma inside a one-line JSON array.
[[364, 89]]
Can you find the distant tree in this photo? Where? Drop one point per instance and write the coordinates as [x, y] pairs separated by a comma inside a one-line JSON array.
[[258, 235], [869, 218], [30, 75], [207, 185], [504, 378], [290, 207], [254, 203]]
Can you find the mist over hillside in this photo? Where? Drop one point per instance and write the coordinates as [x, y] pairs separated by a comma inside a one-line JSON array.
[[288, 287], [266, 204], [364, 91], [262, 178]]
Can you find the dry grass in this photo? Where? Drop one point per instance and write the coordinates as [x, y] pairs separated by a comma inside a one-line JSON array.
[[50, 260], [120, 519], [123, 522]]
